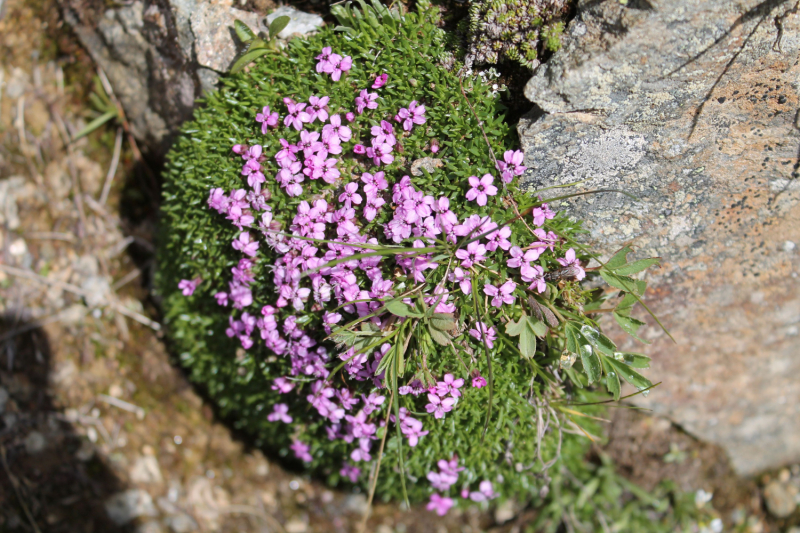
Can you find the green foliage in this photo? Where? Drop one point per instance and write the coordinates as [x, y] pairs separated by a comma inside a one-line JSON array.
[[516, 30], [256, 46], [494, 430]]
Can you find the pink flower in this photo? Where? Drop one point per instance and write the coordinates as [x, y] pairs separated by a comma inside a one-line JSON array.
[[434, 146], [296, 116], [463, 279], [222, 298], [449, 385], [439, 504], [411, 428], [217, 200], [481, 189], [475, 253], [483, 332], [366, 100], [336, 129], [485, 492], [540, 214], [300, 450], [267, 119], [502, 294], [380, 81], [318, 108], [350, 116], [511, 165], [350, 472], [324, 60], [337, 64], [571, 261], [359, 149], [245, 245], [188, 287], [415, 114], [439, 406], [350, 194], [534, 274], [279, 412], [282, 385], [478, 382], [499, 239]]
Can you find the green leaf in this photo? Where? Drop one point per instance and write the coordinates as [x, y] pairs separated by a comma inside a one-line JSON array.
[[443, 321], [515, 328], [538, 327], [620, 258], [527, 341], [637, 266], [627, 373], [278, 24], [635, 360], [591, 362], [631, 326], [625, 305], [95, 124], [247, 58], [243, 31], [612, 384], [440, 337], [398, 308], [624, 283]]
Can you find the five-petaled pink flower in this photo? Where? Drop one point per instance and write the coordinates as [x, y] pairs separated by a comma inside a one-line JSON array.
[[267, 119], [366, 100], [481, 189], [188, 287], [245, 245], [300, 450], [380, 81], [571, 261], [296, 116], [449, 385], [511, 165], [280, 412], [440, 504], [439, 406], [478, 382], [482, 332], [475, 253], [502, 294]]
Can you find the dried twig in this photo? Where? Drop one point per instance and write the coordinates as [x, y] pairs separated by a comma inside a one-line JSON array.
[[112, 169], [122, 404]]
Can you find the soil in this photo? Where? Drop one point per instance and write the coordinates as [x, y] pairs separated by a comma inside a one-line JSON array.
[[92, 406]]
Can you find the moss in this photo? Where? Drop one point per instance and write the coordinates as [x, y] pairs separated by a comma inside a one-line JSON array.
[[515, 30]]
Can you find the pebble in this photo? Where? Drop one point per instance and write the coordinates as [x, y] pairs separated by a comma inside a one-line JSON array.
[[504, 512], [781, 498], [146, 470], [125, 506], [35, 443], [789, 246], [356, 503], [295, 525]]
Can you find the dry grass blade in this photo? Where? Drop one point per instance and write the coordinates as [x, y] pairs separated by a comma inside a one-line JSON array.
[[15, 483]]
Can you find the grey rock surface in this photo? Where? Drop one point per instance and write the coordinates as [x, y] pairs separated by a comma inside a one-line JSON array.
[[300, 23], [160, 55], [691, 105]]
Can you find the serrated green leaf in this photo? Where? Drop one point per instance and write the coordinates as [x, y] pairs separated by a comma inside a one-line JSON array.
[[439, 337], [278, 24], [625, 305], [443, 321], [243, 31], [637, 266], [538, 327], [603, 344]]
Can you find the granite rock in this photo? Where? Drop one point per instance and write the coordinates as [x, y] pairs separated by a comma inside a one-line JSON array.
[[160, 55], [692, 106]]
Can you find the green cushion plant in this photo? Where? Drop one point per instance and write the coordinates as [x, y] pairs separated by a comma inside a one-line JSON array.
[[350, 268]]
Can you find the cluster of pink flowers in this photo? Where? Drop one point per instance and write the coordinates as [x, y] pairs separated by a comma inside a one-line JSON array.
[[339, 288], [446, 477]]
